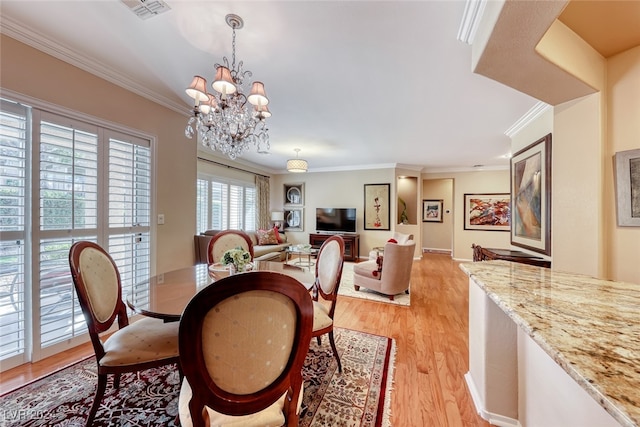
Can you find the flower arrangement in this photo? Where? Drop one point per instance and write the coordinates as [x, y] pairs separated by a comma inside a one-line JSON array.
[[238, 257]]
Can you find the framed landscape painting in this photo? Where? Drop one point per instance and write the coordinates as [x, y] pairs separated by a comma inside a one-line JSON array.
[[377, 206], [432, 211], [531, 197], [487, 212]]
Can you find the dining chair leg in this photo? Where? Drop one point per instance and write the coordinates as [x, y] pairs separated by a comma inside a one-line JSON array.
[[319, 340], [116, 381], [102, 386], [335, 351]]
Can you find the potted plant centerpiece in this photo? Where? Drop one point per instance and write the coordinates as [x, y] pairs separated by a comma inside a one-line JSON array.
[[237, 259]]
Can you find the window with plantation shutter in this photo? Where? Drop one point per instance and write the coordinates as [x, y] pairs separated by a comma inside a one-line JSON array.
[[202, 205], [66, 180], [14, 203], [130, 208], [67, 195], [221, 204]]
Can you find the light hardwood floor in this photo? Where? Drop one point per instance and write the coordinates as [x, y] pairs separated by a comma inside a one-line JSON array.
[[431, 338]]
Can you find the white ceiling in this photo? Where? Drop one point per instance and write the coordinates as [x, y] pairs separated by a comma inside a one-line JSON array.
[[351, 83]]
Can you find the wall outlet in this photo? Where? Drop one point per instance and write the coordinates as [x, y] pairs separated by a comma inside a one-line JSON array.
[[160, 219]]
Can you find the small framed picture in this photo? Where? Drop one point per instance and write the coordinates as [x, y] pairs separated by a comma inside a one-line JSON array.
[[488, 212], [293, 219], [294, 194], [377, 206], [432, 211]]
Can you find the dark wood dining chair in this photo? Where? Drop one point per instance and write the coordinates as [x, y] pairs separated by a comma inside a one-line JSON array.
[[329, 266], [243, 342], [225, 240], [145, 344]]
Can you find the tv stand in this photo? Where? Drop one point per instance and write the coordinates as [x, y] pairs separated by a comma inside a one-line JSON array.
[[351, 244]]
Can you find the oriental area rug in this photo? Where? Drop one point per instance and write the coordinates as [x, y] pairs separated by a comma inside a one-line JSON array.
[[359, 397], [346, 288]]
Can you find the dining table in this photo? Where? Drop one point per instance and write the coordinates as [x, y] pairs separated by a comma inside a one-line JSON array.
[[165, 296]]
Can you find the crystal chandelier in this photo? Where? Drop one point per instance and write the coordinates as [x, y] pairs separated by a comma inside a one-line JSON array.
[[227, 120]]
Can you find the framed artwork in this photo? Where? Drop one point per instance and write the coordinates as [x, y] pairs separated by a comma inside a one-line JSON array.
[[293, 194], [293, 219], [627, 181], [531, 197], [432, 211], [488, 212], [377, 205]]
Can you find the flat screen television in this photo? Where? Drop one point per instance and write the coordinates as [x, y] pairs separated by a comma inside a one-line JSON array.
[[336, 220]]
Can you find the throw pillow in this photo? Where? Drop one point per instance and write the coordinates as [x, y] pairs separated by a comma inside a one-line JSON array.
[[392, 241], [267, 237], [378, 272], [277, 233]]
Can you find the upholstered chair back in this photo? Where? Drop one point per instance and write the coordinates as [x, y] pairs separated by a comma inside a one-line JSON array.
[[97, 282], [329, 264], [242, 344], [225, 240], [238, 329], [397, 263]]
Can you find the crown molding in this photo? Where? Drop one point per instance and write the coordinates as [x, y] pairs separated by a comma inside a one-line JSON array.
[[471, 17], [530, 116], [466, 169], [14, 29], [345, 168]]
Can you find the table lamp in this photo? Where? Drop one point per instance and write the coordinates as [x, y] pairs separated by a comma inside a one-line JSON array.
[[277, 217]]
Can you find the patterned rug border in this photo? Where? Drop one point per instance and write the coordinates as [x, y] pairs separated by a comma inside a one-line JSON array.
[[389, 384], [385, 383]]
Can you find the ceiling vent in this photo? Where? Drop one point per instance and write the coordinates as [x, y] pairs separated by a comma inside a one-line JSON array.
[[145, 9]]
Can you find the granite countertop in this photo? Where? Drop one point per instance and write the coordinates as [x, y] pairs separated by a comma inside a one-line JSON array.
[[590, 327]]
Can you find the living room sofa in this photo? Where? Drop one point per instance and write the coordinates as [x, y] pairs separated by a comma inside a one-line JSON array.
[[275, 252]]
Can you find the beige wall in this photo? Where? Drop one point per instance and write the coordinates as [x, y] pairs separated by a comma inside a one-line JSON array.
[[30, 72], [337, 190], [622, 244], [577, 209], [469, 183], [587, 132], [438, 236]]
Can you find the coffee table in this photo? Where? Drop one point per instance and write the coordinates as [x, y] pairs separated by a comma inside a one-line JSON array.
[[303, 253]]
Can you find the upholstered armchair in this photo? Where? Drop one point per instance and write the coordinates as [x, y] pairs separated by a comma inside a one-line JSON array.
[[390, 273], [400, 238]]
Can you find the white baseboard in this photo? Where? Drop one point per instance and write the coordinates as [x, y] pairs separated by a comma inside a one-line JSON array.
[[493, 419]]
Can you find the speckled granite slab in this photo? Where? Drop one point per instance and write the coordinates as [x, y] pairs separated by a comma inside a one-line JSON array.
[[590, 327]]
